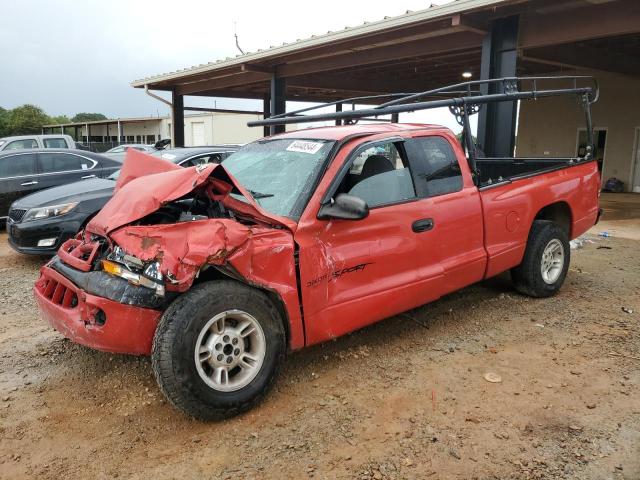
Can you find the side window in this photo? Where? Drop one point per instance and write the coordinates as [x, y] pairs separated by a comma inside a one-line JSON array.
[[20, 144], [379, 175], [55, 143], [62, 162], [442, 171], [208, 158], [17, 165]]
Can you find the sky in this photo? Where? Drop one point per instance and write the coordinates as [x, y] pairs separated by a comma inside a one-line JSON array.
[[72, 56]]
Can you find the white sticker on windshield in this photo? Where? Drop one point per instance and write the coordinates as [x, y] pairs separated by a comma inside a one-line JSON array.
[[304, 146]]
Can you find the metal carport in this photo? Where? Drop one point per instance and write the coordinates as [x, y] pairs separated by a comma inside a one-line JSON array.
[[424, 49]]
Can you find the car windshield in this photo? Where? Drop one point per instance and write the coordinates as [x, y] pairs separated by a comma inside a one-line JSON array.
[[278, 172]]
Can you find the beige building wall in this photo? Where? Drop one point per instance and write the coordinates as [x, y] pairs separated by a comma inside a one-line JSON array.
[[214, 128], [549, 127], [207, 128], [137, 129]]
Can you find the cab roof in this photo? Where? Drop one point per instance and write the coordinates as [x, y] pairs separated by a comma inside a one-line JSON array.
[[344, 131]]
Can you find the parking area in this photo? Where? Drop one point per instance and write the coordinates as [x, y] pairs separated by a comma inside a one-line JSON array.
[[406, 398]]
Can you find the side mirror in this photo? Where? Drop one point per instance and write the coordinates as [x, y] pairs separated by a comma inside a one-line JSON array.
[[162, 144], [345, 207]]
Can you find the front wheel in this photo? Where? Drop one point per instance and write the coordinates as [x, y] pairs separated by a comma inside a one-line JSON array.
[[546, 261], [217, 349]]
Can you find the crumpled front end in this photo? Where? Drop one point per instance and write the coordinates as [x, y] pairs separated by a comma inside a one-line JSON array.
[[107, 288], [91, 320]]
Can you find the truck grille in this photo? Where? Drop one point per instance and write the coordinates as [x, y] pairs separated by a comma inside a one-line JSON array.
[[58, 293], [16, 214]]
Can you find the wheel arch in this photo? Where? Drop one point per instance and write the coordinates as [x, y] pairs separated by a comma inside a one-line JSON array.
[[558, 212], [213, 273]]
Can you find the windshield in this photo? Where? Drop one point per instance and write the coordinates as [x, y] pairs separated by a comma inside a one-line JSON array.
[[279, 172]]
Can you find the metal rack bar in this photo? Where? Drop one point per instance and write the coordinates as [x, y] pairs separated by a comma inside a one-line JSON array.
[[461, 95]]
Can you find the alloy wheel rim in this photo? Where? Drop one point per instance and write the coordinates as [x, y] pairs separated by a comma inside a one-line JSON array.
[[552, 261], [230, 350]]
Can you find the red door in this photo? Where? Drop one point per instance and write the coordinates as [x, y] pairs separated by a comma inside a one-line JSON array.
[[356, 272], [455, 205]]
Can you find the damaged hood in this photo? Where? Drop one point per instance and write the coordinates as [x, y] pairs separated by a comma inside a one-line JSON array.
[[138, 164], [147, 182]]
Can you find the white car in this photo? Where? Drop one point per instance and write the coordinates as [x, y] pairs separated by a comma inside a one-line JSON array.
[[20, 142], [119, 152]]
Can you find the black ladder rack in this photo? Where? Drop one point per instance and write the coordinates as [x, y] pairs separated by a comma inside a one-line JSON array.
[[463, 100]]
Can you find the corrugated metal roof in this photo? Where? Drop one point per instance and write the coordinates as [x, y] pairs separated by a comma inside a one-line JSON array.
[[112, 121], [431, 13]]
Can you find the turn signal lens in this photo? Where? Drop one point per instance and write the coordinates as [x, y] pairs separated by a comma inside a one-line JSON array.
[[118, 270], [111, 267]]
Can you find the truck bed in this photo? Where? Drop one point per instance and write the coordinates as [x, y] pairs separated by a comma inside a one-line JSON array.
[[511, 205], [496, 170]]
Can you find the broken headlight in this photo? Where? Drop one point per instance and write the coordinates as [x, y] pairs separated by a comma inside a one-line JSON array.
[[134, 270]]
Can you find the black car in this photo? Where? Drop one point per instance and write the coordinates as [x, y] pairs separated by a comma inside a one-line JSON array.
[[39, 223], [26, 171]]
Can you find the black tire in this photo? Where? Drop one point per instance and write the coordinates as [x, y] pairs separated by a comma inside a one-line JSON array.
[[175, 340], [527, 277]]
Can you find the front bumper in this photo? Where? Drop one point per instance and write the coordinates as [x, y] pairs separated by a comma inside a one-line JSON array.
[[24, 237], [91, 320]]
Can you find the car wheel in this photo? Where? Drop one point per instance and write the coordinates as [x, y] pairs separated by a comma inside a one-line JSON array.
[[546, 260], [217, 349]]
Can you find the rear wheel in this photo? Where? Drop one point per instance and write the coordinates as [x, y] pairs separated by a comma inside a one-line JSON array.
[[217, 349], [546, 260]]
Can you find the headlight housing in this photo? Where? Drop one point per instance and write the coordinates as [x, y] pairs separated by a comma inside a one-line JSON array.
[[133, 270], [39, 213]]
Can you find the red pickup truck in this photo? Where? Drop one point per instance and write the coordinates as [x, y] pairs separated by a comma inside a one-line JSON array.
[[218, 270]]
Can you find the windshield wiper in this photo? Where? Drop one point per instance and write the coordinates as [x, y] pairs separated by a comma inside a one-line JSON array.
[[258, 195]]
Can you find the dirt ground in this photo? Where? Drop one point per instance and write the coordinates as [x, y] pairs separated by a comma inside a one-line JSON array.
[[405, 398]]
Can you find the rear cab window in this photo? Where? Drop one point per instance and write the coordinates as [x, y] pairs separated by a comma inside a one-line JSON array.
[[54, 143], [440, 172]]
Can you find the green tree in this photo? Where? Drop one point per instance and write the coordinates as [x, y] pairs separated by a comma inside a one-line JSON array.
[[59, 119], [4, 122], [26, 119], [88, 117]]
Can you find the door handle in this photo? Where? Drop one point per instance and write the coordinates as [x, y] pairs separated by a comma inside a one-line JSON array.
[[88, 176], [26, 184], [423, 225]]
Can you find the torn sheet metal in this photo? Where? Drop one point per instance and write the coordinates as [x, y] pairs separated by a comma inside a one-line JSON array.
[[183, 248], [262, 256], [137, 164], [142, 194]]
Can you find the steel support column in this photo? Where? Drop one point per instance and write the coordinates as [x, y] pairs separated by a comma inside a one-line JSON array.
[[266, 113], [278, 101], [177, 117], [338, 109], [497, 121], [395, 117]]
